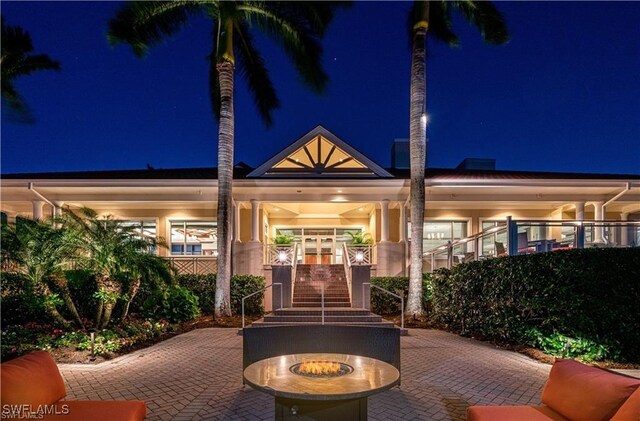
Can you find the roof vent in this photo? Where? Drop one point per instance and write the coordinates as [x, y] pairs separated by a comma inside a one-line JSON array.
[[477, 164]]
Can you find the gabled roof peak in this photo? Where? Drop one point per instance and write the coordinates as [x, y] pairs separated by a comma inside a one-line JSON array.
[[319, 153]]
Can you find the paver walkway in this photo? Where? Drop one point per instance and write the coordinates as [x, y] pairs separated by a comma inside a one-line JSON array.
[[198, 376]]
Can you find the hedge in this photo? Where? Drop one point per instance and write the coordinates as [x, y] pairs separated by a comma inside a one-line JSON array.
[[382, 303], [241, 285], [589, 296]]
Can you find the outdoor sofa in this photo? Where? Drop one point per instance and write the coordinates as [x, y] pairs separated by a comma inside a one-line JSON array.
[[33, 384], [574, 392]]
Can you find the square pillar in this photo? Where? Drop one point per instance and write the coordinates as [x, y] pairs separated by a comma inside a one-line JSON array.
[[384, 220]]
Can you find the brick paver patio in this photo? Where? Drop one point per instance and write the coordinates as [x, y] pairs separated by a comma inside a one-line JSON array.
[[198, 376]]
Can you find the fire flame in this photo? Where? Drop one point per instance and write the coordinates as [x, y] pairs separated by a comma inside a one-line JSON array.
[[319, 367]]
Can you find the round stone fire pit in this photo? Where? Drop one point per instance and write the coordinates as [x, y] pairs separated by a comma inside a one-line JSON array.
[[321, 386]]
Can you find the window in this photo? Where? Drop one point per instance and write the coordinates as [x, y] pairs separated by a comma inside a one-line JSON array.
[[438, 233], [143, 229], [194, 238]]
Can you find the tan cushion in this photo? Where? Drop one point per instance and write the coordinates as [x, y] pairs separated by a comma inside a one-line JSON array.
[[32, 379], [512, 413], [630, 410], [583, 393], [99, 411]]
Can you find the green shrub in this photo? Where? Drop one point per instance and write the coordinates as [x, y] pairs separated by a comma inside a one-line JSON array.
[[243, 285], [204, 286], [383, 303], [590, 296], [20, 302], [175, 303]]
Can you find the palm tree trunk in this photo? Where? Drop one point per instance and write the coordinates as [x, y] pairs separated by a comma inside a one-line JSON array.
[[51, 308], [112, 287], [63, 287], [134, 286], [417, 154], [225, 182], [100, 285]]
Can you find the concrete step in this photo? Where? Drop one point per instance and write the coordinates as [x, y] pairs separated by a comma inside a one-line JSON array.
[[326, 304], [261, 323], [315, 319], [314, 311]]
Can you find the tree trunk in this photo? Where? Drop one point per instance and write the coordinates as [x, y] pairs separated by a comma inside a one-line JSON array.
[[100, 285], [417, 154], [134, 286], [63, 287], [225, 182], [113, 288], [51, 308]]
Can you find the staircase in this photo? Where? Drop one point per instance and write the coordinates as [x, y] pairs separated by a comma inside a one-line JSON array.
[[308, 286], [307, 301]]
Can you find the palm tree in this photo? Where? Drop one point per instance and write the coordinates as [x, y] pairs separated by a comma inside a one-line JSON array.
[[296, 26], [41, 253], [17, 61], [113, 251], [434, 16]]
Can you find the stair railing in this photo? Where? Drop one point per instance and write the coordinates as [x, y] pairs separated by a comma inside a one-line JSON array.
[[259, 291], [347, 269], [294, 267], [387, 292]]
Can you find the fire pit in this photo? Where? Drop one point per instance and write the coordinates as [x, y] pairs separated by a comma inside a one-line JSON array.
[[321, 386]]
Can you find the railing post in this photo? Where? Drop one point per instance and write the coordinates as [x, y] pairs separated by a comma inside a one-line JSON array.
[[580, 235], [449, 255], [322, 301], [512, 237], [243, 312]]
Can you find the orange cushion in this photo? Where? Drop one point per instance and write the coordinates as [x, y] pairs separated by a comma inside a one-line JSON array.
[[512, 413], [630, 410], [99, 411], [32, 379], [583, 393]]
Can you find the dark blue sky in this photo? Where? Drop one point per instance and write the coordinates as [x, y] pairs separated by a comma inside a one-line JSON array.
[[563, 95]]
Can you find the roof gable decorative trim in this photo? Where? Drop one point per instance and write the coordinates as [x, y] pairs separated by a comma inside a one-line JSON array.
[[319, 153]]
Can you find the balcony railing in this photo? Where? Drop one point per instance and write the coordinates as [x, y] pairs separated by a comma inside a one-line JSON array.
[[279, 254], [194, 265], [362, 254], [533, 236]]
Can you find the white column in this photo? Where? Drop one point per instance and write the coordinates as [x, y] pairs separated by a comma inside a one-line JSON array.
[[384, 223], [403, 223], [255, 220], [624, 231], [599, 213], [579, 211], [38, 206], [236, 222], [57, 209]]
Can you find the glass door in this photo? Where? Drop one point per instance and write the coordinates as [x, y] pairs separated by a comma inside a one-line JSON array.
[[311, 250]]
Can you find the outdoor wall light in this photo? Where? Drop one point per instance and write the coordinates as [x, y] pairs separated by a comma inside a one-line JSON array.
[[359, 257], [92, 334], [282, 256]]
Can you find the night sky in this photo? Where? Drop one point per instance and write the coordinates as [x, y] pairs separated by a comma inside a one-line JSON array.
[[563, 95]]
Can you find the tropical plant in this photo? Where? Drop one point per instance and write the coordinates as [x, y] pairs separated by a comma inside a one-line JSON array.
[[435, 16], [296, 26], [283, 239], [359, 238], [113, 251], [40, 252], [17, 61]]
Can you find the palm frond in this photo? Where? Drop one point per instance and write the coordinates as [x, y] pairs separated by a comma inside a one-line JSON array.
[[488, 20], [252, 68], [440, 24], [143, 24], [297, 37]]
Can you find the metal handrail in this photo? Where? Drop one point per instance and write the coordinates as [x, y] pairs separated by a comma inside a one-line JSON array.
[[322, 300], [294, 268], [347, 266], [259, 291], [388, 292]]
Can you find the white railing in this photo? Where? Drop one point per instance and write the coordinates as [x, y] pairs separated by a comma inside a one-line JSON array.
[[279, 254], [259, 291], [360, 254], [386, 292], [193, 265], [294, 268], [346, 262], [514, 238]]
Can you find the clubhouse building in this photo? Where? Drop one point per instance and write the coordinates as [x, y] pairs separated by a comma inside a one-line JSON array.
[[320, 191]]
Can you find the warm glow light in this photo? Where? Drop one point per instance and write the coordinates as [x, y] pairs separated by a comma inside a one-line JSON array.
[[276, 209], [282, 256], [361, 209], [319, 367], [424, 119], [359, 256], [339, 191]]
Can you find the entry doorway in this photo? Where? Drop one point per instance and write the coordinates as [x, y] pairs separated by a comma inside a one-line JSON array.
[[319, 245]]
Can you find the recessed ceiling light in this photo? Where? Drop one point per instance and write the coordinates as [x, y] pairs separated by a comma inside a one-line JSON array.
[[361, 209], [339, 191], [276, 209]]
